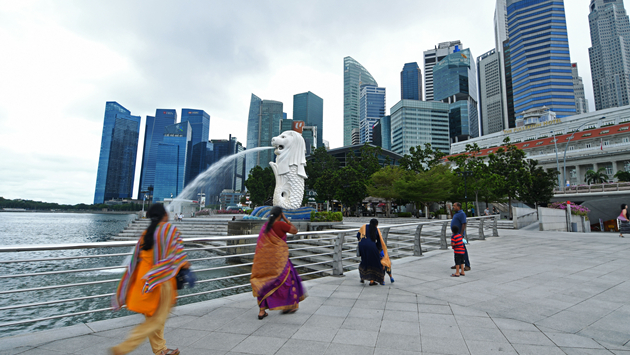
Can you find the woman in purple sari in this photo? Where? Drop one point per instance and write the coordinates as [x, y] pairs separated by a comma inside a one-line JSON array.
[[274, 281]]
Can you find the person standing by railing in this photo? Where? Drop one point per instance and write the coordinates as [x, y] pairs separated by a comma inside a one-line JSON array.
[[148, 285], [624, 223], [275, 283]]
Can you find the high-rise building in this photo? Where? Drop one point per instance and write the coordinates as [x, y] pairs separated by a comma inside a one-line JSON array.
[[354, 76], [117, 158], [539, 54], [371, 109], [200, 124], [153, 135], [309, 108], [581, 103], [385, 124], [455, 83], [415, 123], [500, 42], [172, 161], [377, 140], [411, 82], [431, 58], [356, 137], [610, 53], [231, 177], [490, 95], [263, 124], [310, 135]]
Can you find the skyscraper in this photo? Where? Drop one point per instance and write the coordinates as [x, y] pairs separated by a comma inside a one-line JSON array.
[[309, 108], [263, 124], [455, 83], [415, 123], [581, 103], [153, 135], [610, 53], [431, 58], [371, 109], [117, 158], [200, 124], [490, 95], [172, 161], [500, 42], [230, 178], [411, 82], [354, 76], [539, 52]]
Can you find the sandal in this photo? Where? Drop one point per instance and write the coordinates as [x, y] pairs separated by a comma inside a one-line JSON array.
[[372, 283], [169, 352], [263, 316], [289, 311], [454, 275]]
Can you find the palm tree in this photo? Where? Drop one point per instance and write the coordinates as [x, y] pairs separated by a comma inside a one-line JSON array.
[[596, 177], [623, 175]]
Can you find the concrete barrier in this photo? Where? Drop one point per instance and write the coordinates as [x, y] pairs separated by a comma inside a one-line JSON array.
[[551, 219], [523, 217]]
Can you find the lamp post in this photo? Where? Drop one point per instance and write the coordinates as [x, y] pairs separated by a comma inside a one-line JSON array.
[[564, 175], [557, 162], [465, 174]]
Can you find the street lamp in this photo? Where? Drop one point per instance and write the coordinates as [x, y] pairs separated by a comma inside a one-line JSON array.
[[564, 175], [465, 174], [557, 162]]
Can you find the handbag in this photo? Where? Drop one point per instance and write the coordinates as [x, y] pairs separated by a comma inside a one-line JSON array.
[[185, 276]]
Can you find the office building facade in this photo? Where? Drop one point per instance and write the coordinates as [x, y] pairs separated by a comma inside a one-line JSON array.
[[581, 103], [371, 109], [231, 177], [153, 135], [415, 123], [356, 137], [172, 161], [200, 124], [490, 93], [609, 53], [309, 108], [411, 82], [500, 42], [354, 76], [539, 54], [117, 157], [263, 124], [455, 83], [431, 58]]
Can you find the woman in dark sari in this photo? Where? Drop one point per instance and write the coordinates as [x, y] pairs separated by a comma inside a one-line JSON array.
[[374, 257], [274, 281]]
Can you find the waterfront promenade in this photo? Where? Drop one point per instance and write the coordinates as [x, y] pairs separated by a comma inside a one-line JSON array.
[[527, 293]]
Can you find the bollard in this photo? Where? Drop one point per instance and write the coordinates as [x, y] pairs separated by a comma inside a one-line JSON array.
[[417, 243], [481, 235], [443, 236], [384, 234], [495, 228], [337, 256]]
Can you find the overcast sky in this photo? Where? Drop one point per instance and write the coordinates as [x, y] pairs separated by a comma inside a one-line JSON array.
[[60, 61]]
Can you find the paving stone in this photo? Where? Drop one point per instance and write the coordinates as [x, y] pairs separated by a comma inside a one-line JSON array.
[[479, 347], [333, 311], [404, 316], [219, 341], [315, 334], [526, 349], [360, 324], [573, 341], [398, 327], [383, 351], [454, 346], [302, 347], [346, 349], [259, 345], [578, 351], [399, 342], [525, 337], [75, 344]]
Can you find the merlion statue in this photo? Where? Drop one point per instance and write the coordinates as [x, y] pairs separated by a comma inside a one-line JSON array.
[[289, 169]]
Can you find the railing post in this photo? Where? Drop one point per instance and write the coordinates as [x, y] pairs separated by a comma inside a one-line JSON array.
[[385, 233], [443, 236], [417, 243], [495, 227], [337, 256], [481, 235]]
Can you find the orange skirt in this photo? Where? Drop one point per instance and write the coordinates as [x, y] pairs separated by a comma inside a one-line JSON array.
[[145, 303]]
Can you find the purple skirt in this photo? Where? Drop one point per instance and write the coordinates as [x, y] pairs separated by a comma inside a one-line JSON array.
[[286, 291]]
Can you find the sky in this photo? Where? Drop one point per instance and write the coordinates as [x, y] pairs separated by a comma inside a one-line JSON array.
[[60, 61]]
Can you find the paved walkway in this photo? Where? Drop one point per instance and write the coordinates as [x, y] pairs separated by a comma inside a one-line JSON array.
[[527, 293]]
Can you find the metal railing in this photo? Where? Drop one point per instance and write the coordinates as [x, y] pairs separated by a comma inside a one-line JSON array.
[[314, 253], [605, 187]]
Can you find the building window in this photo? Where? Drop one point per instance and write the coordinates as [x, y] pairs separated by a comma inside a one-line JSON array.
[[588, 145], [623, 128], [625, 140], [604, 132], [609, 170], [626, 165], [606, 142], [586, 135], [571, 147]]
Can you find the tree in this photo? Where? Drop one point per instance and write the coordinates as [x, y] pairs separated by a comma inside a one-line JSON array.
[[423, 187], [623, 175], [420, 159], [350, 185], [596, 177], [382, 185], [318, 165], [260, 183], [509, 173], [479, 182], [539, 190]]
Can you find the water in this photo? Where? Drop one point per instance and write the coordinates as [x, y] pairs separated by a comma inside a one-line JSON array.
[[54, 228]]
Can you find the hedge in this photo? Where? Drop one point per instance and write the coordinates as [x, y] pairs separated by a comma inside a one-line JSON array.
[[326, 216]]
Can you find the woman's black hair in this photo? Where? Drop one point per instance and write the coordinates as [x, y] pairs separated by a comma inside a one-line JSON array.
[[275, 212], [156, 212], [624, 206], [372, 228]]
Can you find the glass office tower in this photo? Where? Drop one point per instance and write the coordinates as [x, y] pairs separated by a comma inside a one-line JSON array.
[[490, 94], [371, 109], [231, 177], [411, 82], [153, 135], [539, 54], [455, 83], [263, 124], [309, 108], [200, 124], [354, 76], [172, 161], [117, 158], [415, 123]]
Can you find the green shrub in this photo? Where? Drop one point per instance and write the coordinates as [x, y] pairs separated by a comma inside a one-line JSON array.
[[404, 214], [326, 216]]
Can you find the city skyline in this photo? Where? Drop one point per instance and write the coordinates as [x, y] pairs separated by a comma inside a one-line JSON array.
[[205, 66]]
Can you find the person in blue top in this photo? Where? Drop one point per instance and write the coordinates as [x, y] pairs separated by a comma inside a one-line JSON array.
[[459, 220]]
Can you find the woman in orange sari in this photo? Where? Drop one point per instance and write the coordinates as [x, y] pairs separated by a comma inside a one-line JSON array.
[[148, 285], [274, 281]]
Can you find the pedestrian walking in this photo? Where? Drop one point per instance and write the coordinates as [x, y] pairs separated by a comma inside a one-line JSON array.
[[459, 220], [148, 285], [624, 223], [375, 260], [274, 280]]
